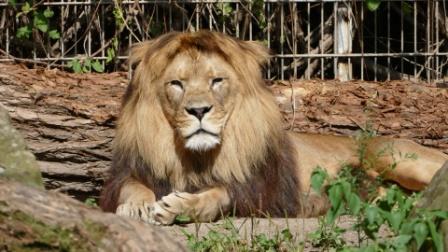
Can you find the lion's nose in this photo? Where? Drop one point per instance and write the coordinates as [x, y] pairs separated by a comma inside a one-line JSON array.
[[198, 112]]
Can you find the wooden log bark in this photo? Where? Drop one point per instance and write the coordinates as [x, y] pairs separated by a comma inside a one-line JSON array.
[[38, 220], [68, 119]]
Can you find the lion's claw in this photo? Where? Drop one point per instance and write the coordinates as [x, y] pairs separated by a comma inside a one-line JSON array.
[[172, 205], [138, 211]]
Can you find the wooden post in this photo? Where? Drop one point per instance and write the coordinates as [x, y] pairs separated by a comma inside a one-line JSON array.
[[343, 41]]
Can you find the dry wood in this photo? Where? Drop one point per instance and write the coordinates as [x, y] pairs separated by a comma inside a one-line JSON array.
[[68, 119]]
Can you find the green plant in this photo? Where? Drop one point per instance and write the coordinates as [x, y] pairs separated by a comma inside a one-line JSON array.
[[40, 21], [394, 211], [373, 5], [91, 202], [226, 237], [85, 65]]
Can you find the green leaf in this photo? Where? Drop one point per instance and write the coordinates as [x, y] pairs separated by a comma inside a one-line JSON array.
[[373, 5], [12, 2], [371, 215], [26, 8], [440, 214], [346, 189], [75, 65], [54, 34], [395, 219], [401, 241], [335, 196], [420, 233], [286, 234], [110, 55], [40, 22], [23, 32], [436, 237], [97, 66], [91, 202], [182, 218], [354, 203], [48, 13], [407, 9], [407, 227], [87, 66], [318, 178]]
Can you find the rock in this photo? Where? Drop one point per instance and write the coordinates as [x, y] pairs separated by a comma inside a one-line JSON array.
[[435, 196], [16, 162]]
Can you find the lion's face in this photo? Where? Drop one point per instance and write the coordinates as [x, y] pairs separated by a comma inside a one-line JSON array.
[[197, 98]]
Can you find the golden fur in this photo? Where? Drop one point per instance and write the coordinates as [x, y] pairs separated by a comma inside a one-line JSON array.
[[200, 133]]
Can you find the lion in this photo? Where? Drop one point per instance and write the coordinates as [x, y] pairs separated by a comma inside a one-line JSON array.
[[200, 135]]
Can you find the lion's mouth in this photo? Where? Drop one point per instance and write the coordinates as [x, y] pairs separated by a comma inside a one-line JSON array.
[[202, 140], [203, 131]]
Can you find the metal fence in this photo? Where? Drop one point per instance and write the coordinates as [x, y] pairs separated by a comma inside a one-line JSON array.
[[308, 38]]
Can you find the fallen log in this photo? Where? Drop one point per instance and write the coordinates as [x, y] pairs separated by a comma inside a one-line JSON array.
[[38, 220], [68, 119]]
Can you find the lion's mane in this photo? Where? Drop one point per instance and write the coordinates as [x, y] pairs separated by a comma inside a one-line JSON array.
[[256, 160]]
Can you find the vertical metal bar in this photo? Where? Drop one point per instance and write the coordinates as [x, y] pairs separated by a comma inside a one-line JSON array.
[[375, 37], [335, 38], [282, 39], [294, 38], [197, 15], [308, 46], [321, 41], [170, 14], [268, 10], [184, 19], [210, 16], [361, 27], [428, 41], [223, 21], [237, 30], [293, 8], [89, 35], [401, 37], [75, 12], [415, 38], [129, 46], [64, 9], [250, 20], [103, 36], [34, 44], [350, 22], [7, 36], [388, 40], [437, 41]]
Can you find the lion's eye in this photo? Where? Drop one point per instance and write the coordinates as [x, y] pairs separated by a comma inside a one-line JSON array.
[[177, 84], [217, 81]]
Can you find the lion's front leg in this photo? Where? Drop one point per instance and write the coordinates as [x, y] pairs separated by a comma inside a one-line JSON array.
[[136, 201], [203, 206]]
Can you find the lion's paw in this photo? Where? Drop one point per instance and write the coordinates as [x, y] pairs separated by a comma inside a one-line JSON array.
[[164, 211], [138, 211]]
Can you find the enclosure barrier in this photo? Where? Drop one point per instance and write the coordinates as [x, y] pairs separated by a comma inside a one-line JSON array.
[[308, 38]]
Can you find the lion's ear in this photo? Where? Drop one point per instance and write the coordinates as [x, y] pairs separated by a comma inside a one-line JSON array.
[[150, 48], [138, 52], [257, 51]]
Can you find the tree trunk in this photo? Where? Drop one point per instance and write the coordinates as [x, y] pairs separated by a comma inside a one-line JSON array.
[[38, 220], [68, 119]]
